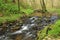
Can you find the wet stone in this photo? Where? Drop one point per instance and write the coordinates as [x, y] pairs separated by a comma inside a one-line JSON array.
[[28, 28]]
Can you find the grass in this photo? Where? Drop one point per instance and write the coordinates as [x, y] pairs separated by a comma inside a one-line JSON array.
[[55, 29], [10, 11], [12, 15], [9, 18], [54, 10], [55, 32]]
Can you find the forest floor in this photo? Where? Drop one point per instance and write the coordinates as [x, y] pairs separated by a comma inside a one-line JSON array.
[[8, 13], [54, 32]]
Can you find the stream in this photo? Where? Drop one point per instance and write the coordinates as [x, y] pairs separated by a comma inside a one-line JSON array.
[[28, 29]]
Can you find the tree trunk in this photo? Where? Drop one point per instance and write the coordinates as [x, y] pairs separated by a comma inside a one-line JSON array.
[[43, 6], [13, 1], [52, 3], [5, 1], [18, 5], [34, 4], [31, 3]]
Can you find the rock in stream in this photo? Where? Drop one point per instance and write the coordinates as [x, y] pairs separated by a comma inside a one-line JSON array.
[[28, 29]]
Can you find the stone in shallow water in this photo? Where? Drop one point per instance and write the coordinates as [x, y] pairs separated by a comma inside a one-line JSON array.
[[27, 29]]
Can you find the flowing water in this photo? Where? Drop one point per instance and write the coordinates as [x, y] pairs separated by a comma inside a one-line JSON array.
[[30, 28]]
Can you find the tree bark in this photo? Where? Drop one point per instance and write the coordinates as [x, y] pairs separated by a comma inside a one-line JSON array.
[[52, 3], [34, 4], [43, 6], [13, 1], [5, 1], [18, 5]]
